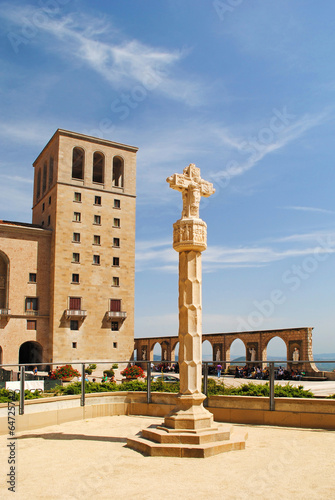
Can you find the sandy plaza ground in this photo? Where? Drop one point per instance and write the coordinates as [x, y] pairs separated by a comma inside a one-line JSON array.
[[89, 459]]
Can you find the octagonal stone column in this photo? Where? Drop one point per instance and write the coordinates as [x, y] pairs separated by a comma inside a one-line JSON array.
[[189, 240], [188, 430]]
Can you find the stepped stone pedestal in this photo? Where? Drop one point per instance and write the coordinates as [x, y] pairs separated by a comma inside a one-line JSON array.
[[188, 431]]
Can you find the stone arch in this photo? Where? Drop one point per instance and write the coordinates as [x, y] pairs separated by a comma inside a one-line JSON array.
[[230, 341], [175, 351], [207, 350], [156, 350], [78, 163], [118, 172], [4, 280], [30, 352], [98, 174], [278, 345]]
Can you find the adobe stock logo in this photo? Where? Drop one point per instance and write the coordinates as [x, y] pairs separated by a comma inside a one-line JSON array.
[[225, 7]]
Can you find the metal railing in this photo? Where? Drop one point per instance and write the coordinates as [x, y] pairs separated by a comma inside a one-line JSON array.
[[83, 365]]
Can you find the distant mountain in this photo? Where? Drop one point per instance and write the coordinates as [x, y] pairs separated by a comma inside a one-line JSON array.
[[325, 367], [328, 355]]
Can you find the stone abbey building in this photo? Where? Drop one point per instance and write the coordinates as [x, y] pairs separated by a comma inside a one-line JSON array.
[[67, 279]]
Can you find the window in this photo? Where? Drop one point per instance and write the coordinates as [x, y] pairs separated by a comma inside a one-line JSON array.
[[74, 325], [77, 197], [115, 345], [43, 207], [38, 187], [75, 303], [116, 261], [98, 167], [78, 157], [97, 200], [97, 220], [116, 242], [4, 273], [76, 237], [115, 326], [31, 304], [51, 171], [76, 216], [49, 220], [96, 260], [32, 277], [116, 222], [117, 203], [96, 239], [49, 200], [74, 344], [31, 324], [116, 281], [75, 278], [44, 182], [117, 180], [115, 305], [76, 257]]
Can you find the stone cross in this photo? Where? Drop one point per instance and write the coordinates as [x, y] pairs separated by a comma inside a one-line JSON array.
[[192, 188], [188, 430], [189, 240]]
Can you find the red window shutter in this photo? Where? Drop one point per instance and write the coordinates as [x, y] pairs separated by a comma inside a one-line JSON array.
[[115, 305], [75, 303]]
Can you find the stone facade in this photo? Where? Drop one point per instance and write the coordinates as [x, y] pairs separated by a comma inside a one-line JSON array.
[[26, 252], [84, 200]]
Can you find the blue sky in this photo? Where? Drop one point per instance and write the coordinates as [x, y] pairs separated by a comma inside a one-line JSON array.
[[244, 90]]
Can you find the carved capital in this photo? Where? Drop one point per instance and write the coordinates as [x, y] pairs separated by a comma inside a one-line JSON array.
[[189, 234]]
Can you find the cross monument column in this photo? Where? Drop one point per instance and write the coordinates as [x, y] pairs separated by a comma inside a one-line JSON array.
[[189, 240], [188, 430]]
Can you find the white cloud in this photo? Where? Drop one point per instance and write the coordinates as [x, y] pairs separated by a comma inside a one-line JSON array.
[[310, 209], [278, 136], [15, 178], [122, 62], [30, 133], [160, 256]]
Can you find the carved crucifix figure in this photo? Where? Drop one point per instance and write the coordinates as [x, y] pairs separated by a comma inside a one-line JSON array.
[[192, 188]]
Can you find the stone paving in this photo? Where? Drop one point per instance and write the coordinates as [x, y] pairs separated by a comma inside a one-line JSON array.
[[88, 459]]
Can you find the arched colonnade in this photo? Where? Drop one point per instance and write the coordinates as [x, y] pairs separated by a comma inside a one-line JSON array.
[[298, 342]]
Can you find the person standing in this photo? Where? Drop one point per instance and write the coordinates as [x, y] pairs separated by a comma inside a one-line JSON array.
[[219, 368]]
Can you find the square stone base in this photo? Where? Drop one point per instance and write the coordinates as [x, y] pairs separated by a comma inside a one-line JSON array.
[[161, 441]]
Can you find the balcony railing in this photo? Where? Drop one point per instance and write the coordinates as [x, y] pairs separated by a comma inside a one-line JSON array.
[[4, 312], [116, 315], [75, 313], [32, 312]]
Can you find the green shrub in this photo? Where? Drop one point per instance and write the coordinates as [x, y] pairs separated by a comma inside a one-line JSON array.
[[247, 389], [90, 368], [160, 386], [6, 395], [281, 391]]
